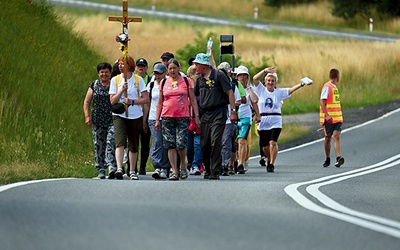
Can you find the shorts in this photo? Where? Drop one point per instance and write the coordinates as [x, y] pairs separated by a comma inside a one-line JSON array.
[[127, 129], [330, 127], [244, 128], [175, 132], [269, 135]]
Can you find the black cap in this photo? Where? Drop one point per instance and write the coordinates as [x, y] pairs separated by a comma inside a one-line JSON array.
[[167, 55], [141, 61], [190, 62]]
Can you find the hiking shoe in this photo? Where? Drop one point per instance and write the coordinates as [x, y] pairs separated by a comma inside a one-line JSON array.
[[184, 173], [163, 174], [262, 162], [134, 176], [327, 162], [156, 174], [102, 174], [240, 169], [119, 174], [270, 168], [339, 161], [174, 177]]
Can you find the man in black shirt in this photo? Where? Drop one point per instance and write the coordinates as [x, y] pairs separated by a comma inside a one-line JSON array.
[[215, 92]]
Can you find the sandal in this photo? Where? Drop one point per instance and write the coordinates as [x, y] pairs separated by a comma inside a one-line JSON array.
[[174, 177], [184, 173]]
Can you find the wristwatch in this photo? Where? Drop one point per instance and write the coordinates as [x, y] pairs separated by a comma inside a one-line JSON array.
[[233, 110]]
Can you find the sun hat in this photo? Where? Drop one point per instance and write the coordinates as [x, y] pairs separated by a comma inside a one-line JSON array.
[[242, 70], [167, 55], [272, 74], [225, 66], [202, 58], [159, 68], [141, 61]]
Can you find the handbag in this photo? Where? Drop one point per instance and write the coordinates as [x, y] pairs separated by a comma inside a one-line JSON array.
[[192, 127], [118, 108]]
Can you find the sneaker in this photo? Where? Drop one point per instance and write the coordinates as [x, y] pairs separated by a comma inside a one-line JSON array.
[[262, 162], [174, 177], [270, 168], [156, 174], [119, 174], [163, 174], [111, 174], [195, 171], [240, 169], [327, 162], [184, 173], [102, 174], [134, 176], [339, 161]]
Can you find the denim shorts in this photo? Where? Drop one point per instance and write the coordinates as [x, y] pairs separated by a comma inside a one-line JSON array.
[[175, 132]]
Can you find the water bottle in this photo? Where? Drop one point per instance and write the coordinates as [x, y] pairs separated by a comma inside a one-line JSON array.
[[209, 46]]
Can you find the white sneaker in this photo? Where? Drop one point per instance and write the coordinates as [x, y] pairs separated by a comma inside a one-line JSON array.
[[163, 174], [156, 174], [134, 176]]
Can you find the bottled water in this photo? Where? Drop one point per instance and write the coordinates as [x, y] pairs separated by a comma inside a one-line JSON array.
[[209, 46]]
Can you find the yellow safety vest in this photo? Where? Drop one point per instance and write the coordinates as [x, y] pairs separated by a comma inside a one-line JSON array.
[[332, 105]]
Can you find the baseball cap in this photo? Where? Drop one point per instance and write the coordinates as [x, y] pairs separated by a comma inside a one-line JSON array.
[[202, 58], [190, 62], [141, 61], [159, 68], [242, 70], [225, 66], [272, 74], [167, 55]]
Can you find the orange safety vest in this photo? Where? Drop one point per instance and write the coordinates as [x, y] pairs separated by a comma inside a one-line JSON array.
[[332, 105]]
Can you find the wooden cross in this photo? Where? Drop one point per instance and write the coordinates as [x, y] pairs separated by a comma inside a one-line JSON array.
[[124, 20]]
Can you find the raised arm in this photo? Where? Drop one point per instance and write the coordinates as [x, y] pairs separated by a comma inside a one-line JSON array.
[[257, 77]]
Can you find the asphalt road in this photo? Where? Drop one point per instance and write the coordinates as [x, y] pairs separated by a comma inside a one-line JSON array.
[[300, 206]]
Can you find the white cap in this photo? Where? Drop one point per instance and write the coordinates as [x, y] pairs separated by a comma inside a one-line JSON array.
[[242, 70]]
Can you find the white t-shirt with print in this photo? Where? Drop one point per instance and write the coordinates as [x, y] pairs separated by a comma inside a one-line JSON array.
[[270, 102]]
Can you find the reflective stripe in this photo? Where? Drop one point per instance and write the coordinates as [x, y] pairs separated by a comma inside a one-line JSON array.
[[332, 105]]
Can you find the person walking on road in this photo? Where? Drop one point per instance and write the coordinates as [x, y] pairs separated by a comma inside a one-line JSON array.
[[269, 104], [331, 118], [214, 89], [101, 121]]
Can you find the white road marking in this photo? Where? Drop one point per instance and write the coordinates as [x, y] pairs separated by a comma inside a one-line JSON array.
[[372, 222], [18, 184]]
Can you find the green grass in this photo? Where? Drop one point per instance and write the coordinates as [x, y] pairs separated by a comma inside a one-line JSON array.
[[45, 74]]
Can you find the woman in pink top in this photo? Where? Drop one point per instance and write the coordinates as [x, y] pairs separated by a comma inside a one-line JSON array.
[[173, 109]]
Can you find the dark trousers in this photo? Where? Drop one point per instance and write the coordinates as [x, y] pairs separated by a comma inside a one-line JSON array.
[[211, 143], [144, 149]]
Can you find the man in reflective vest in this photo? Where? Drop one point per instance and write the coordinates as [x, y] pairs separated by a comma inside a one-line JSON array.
[[330, 116]]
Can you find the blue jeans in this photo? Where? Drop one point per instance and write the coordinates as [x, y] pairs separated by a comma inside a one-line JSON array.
[[194, 151], [158, 153]]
